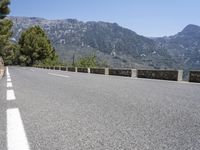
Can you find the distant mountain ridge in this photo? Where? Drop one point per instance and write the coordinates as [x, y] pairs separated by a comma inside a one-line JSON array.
[[184, 46], [113, 44]]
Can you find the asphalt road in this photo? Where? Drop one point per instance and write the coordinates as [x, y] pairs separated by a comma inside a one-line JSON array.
[[76, 111]]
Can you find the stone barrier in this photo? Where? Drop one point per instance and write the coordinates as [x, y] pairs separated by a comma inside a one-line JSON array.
[[57, 68], [83, 70], [194, 76], [120, 72], [172, 75], [97, 71], [63, 68], [72, 69]]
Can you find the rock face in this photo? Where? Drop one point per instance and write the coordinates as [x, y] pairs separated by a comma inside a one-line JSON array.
[[113, 45]]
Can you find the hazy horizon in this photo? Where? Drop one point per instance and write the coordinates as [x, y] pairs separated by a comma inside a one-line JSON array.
[[148, 18]]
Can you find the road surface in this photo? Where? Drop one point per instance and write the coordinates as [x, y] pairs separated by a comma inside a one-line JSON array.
[[55, 110]]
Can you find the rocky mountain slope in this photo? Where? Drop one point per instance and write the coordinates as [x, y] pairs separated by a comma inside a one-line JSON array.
[[113, 45], [184, 46]]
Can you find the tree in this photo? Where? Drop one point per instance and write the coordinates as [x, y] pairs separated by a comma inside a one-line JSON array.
[[4, 9], [11, 54], [6, 50], [88, 61], [5, 33], [35, 47]]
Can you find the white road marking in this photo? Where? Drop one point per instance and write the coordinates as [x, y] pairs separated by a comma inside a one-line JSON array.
[[32, 70], [10, 95], [16, 136], [9, 84], [7, 72], [58, 75], [8, 80]]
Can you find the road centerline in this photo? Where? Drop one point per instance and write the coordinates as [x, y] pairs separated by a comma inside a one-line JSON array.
[[58, 75]]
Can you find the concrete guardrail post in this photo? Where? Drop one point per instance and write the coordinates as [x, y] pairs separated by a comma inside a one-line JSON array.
[[180, 75], [76, 69], [88, 70], [106, 71], [134, 73]]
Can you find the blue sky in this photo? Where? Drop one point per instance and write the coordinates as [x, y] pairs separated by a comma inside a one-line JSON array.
[[146, 17]]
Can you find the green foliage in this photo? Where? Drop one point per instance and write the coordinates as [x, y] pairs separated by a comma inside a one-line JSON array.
[[11, 54], [7, 50], [88, 61], [4, 9], [36, 48], [5, 34], [49, 62]]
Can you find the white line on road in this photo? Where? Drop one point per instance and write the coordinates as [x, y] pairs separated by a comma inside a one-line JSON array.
[[16, 136], [8, 80], [58, 75], [7, 72], [32, 70], [10, 95], [9, 84]]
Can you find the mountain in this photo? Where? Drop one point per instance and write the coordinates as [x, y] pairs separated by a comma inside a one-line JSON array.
[[113, 45], [184, 46], [117, 46]]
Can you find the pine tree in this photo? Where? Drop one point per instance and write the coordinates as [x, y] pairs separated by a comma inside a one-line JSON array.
[[35, 47], [4, 9], [5, 32]]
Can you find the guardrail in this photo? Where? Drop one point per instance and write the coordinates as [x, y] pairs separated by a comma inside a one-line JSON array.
[[83, 70], [173, 75], [120, 72], [194, 76], [72, 69], [98, 71]]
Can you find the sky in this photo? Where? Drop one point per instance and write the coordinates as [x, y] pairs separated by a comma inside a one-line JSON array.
[[151, 18]]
